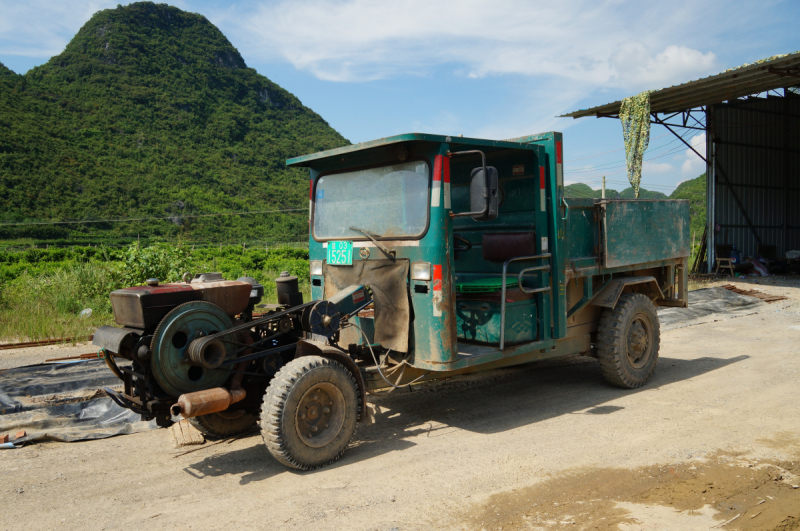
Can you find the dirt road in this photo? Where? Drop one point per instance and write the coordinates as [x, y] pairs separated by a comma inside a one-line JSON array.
[[714, 436]]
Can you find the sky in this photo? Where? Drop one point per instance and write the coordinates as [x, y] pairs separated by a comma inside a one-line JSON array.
[[482, 68]]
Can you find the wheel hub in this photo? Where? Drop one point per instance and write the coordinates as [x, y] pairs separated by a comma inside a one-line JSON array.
[[637, 343], [320, 415]]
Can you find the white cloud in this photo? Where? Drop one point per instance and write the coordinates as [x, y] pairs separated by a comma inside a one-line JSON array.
[[589, 43], [693, 165], [657, 167], [43, 29], [446, 122], [563, 53], [636, 66]]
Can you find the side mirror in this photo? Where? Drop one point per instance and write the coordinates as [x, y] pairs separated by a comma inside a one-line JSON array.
[[483, 189], [484, 193]]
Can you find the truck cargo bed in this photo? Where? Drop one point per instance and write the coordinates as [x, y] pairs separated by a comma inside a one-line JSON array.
[[624, 232]]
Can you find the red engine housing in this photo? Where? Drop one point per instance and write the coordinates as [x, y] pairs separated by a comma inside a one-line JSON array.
[[143, 307]]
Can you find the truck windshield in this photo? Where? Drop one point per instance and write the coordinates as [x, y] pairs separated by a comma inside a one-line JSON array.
[[389, 202]]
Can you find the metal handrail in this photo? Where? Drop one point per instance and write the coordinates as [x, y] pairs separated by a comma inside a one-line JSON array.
[[535, 290], [503, 289], [566, 211]]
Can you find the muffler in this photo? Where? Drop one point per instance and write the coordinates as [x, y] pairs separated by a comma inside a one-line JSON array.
[[205, 402]]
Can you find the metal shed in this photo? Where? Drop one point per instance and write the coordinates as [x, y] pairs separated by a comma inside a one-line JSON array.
[[751, 117]]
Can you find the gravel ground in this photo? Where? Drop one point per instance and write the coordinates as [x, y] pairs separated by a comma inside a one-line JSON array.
[[548, 445], [20, 357]]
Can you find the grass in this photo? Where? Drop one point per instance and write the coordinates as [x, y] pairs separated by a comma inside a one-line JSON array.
[[698, 282], [42, 293], [47, 306]]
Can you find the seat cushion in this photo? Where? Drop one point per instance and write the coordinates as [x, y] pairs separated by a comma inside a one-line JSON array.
[[500, 246]]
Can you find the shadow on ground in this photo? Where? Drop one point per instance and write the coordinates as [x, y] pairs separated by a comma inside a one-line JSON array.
[[487, 403]]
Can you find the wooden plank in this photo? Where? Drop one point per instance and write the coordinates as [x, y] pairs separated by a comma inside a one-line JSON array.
[[186, 435], [44, 342], [754, 293]]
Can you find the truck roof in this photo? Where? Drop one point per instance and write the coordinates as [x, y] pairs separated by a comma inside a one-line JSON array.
[[308, 160]]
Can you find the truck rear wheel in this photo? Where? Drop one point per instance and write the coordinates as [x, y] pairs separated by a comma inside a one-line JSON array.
[[310, 412], [221, 426], [628, 341]]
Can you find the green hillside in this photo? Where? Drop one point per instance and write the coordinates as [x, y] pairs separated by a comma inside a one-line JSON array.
[[151, 112], [628, 193], [578, 190], [585, 191], [695, 191]]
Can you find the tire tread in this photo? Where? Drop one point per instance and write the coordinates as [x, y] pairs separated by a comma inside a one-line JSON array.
[[610, 349], [275, 401]]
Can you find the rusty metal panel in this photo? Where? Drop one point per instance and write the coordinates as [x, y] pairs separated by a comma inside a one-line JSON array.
[[639, 231], [609, 295], [757, 188], [232, 296]]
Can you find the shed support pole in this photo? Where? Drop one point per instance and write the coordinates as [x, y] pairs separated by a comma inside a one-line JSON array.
[[785, 174], [711, 186]]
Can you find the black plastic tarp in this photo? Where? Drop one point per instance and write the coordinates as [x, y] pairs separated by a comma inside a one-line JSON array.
[[63, 402], [709, 305]]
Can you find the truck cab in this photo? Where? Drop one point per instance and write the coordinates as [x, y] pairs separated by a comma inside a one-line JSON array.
[[455, 288]]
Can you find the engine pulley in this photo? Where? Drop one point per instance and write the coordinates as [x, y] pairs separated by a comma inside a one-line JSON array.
[[172, 365], [324, 319]]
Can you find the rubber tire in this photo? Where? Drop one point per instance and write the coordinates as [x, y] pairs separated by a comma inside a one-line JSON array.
[[612, 341], [216, 426], [282, 400]]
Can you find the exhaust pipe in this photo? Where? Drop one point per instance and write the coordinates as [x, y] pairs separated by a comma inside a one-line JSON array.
[[205, 402], [217, 399]]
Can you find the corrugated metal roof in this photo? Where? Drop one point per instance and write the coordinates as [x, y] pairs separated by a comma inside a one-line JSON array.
[[775, 72]]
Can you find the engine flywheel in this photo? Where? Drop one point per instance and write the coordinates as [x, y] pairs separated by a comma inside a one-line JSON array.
[[170, 361]]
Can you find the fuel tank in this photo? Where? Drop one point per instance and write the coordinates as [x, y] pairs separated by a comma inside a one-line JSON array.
[[143, 307]]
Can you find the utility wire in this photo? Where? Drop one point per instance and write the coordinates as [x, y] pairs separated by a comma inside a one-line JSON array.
[[625, 168], [247, 212], [612, 151], [599, 166], [674, 150], [586, 181], [182, 216]]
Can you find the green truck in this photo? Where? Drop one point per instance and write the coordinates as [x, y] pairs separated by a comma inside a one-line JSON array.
[[430, 256]]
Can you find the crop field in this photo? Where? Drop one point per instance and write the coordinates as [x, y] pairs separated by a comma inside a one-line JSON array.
[[44, 291]]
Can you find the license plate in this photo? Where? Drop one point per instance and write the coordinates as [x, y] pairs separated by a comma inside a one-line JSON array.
[[340, 253]]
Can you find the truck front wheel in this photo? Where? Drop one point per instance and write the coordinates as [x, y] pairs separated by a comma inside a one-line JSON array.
[[628, 341], [310, 412]]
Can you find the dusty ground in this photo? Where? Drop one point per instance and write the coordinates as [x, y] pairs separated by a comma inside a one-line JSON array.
[[33, 355], [714, 436]]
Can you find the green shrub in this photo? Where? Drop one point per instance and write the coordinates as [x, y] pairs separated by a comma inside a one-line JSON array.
[[48, 305], [162, 261], [42, 298]]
